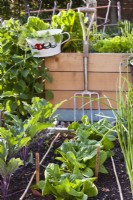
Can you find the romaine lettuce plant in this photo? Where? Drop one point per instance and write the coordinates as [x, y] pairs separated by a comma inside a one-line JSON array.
[[101, 131], [82, 150], [66, 186], [74, 179]]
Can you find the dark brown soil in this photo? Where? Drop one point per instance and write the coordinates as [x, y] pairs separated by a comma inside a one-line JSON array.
[[107, 186]]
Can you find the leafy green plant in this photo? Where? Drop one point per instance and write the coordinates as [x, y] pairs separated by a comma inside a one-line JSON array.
[[69, 22], [119, 43], [101, 131], [81, 155], [13, 142], [7, 165], [36, 24], [82, 150], [21, 75], [74, 178], [65, 186], [20, 133], [6, 171]]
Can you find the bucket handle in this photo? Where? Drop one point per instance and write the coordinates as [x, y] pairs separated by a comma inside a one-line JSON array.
[[67, 38]]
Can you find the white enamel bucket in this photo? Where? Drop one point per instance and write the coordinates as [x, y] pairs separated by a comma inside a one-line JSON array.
[[45, 47]]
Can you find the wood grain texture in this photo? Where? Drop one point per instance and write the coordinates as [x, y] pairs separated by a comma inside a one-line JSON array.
[[103, 77], [105, 97], [98, 62], [75, 81]]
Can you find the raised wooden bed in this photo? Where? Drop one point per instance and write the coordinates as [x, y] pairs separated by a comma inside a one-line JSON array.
[[67, 72]]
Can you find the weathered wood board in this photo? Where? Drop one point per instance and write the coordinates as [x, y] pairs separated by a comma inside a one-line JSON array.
[[67, 71]]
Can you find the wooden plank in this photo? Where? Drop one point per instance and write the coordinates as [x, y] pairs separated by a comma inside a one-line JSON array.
[[106, 62], [75, 81], [69, 96], [98, 62], [65, 62], [68, 78], [66, 81]]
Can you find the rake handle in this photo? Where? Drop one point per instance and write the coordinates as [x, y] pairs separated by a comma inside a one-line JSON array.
[[91, 11]]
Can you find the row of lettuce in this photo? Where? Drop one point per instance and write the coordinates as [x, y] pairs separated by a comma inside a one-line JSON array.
[[74, 178]]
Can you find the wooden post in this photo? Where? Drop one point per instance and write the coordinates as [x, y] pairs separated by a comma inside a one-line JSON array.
[[113, 12], [119, 10], [107, 15], [37, 168]]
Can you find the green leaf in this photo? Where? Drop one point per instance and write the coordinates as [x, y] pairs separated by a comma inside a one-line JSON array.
[[17, 58], [25, 73], [107, 144], [2, 167], [87, 152], [37, 24], [22, 84], [3, 149], [89, 188], [24, 141], [10, 167], [52, 171], [9, 94], [38, 87], [67, 188], [73, 126], [88, 172], [103, 157], [49, 94], [13, 165], [103, 170], [38, 127], [85, 120], [11, 105]]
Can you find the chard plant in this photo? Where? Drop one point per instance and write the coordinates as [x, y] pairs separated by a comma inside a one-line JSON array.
[[69, 22]]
